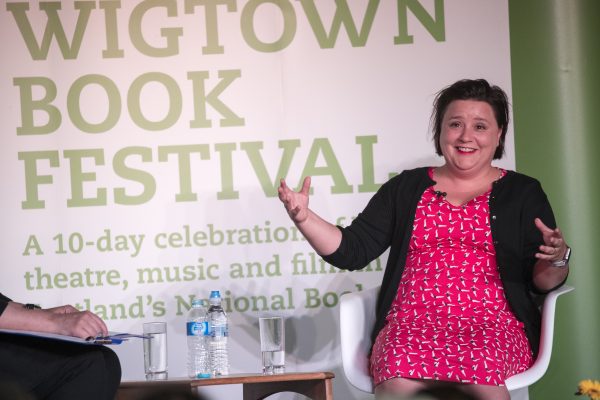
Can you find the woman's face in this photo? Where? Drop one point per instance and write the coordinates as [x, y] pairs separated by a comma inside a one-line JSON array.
[[469, 136]]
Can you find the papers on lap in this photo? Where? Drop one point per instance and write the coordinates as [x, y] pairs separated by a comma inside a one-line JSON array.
[[112, 338]]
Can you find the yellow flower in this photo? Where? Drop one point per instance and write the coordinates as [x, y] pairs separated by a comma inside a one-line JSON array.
[[589, 388]]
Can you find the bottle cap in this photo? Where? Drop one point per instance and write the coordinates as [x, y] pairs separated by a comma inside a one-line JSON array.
[[215, 294], [196, 302]]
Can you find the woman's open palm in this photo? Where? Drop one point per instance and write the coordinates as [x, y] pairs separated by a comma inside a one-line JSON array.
[[296, 203]]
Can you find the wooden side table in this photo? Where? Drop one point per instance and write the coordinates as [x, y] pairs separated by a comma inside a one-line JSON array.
[[315, 385]]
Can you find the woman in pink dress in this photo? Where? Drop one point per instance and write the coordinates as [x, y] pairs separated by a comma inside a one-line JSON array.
[[469, 243]]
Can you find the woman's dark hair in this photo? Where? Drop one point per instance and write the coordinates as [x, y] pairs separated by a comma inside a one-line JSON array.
[[471, 89]]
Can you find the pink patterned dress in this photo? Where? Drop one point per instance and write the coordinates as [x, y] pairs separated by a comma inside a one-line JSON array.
[[450, 319]]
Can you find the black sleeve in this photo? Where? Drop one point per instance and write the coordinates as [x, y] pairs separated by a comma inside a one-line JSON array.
[[537, 206], [3, 302], [369, 234]]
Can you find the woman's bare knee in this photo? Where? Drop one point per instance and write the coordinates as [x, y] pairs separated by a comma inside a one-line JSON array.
[[399, 388], [488, 392], [402, 387]]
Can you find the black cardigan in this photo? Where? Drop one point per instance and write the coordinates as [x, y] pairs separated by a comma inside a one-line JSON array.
[[3, 302], [516, 200]]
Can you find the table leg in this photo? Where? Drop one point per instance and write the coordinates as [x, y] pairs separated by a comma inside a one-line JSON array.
[[316, 389]]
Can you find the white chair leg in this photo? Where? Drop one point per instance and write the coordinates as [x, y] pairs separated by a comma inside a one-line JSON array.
[[519, 394]]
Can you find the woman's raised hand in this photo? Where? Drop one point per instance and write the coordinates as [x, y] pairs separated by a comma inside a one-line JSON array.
[[296, 203], [323, 236]]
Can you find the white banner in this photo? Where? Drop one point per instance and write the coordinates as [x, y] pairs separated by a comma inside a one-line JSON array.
[[143, 142]]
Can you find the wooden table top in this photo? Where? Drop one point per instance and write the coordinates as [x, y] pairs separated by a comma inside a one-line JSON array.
[[234, 379]]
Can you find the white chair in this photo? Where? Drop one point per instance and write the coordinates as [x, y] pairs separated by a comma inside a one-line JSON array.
[[357, 317]]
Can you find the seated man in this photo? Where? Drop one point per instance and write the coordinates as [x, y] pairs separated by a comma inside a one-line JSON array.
[[53, 369]]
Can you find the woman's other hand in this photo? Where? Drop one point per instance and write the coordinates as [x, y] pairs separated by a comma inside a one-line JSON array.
[[554, 247], [545, 275]]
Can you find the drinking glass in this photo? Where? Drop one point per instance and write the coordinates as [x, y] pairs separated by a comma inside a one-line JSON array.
[[155, 350], [272, 344]]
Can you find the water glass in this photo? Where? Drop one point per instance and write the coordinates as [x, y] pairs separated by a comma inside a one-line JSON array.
[[272, 344], [155, 350]]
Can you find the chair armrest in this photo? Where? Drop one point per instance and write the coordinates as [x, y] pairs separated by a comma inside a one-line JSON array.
[[539, 367], [357, 318]]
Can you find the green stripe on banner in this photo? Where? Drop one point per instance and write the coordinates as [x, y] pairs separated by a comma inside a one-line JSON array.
[[555, 56]]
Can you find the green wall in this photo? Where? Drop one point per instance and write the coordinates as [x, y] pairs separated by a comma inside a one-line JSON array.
[[555, 55]]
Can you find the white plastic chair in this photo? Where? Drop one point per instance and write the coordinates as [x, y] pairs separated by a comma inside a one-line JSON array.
[[357, 317]]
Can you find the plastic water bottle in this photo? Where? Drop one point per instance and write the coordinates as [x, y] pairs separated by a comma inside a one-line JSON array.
[[219, 333], [197, 337]]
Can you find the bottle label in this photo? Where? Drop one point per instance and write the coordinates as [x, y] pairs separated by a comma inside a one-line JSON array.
[[219, 330], [197, 328]]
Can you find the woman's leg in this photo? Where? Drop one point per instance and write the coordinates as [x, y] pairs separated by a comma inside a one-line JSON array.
[[398, 387], [488, 392], [405, 388]]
